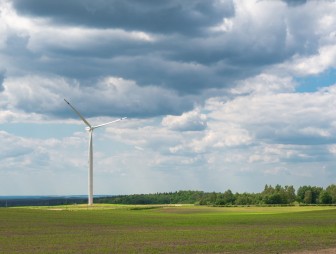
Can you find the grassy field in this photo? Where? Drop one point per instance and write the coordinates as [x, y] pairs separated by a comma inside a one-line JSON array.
[[166, 229]]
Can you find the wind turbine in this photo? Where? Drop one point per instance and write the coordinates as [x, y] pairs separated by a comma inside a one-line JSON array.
[[90, 129]]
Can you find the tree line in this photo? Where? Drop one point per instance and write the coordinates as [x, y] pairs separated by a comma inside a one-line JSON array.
[[40, 201], [277, 195]]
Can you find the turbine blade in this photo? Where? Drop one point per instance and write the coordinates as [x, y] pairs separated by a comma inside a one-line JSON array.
[[79, 114], [100, 125]]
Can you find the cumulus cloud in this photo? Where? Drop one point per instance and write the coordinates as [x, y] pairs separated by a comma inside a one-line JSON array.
[[295, 2], [282, 117], [2, 78], [8, 151], [283, 128], [199, 46], [314, 64], [212, 85], [158, 17], [189, 121], [28, 154], [281, 134], [110, 96], [264, 83]]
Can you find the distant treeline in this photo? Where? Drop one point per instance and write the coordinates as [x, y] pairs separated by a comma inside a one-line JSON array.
[[277, 195], [40, 201]]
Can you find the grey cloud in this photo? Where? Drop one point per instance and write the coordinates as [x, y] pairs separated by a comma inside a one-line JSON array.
[[108, 97], [295, 2], [15, 153], [290, 135], [10, 147], [18, 59], [190, 121], [314, 153], [154, 16], [229, 56], [284, 119], [293, 128], [2, 78], [184, 55]]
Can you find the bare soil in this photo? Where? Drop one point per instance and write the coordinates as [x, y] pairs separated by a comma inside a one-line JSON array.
[[324, 251]]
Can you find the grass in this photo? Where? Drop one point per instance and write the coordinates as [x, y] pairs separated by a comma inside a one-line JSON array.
[[166, 229]]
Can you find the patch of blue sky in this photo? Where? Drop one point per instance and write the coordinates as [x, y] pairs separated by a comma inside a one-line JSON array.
[[109, 146], [41, 131], [314, 82]]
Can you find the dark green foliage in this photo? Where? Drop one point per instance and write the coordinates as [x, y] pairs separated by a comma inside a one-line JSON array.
[[178, 197], [331, 189], [247, 199], [309, 194], [270, 195], [41, 201], [308, 197], [277, 195], [325, 197]]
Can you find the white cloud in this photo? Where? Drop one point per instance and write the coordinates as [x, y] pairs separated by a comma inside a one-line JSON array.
[[264, 83], [225, 135], [42, 33], [21, 154], [316, 132], [280, 110], [315, 64], [73, 38], [332, 149], [111, 96], [239, 67], [282, 128], [10, 23], [189, 121]]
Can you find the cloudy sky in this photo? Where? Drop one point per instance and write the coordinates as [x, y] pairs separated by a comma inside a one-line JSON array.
[[219, 94]]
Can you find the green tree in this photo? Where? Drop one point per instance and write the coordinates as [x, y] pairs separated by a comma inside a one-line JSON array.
[[331, 189], [308, 197], [278, 194], [316, 194], [213, 198], [325, 197], [244, 199], [290, 194], [228, 197], [301, 193], [309, 194], [274, 198], [220, 199]]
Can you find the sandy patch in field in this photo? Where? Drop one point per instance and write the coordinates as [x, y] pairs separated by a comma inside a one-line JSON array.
[[325, 251]]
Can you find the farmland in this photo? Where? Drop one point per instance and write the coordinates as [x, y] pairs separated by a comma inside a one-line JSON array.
[[166, 229]]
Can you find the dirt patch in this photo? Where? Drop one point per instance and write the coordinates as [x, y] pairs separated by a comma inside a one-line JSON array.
[[325, 251]]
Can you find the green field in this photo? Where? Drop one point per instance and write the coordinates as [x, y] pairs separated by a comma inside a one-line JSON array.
[[166, 229]]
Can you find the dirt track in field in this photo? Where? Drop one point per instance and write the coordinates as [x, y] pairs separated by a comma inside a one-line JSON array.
[[325, 251]]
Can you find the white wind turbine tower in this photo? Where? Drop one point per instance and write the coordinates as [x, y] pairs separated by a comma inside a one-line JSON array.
[[90, 129]]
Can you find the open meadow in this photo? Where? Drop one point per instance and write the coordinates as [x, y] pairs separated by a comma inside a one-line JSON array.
[[166, 229]]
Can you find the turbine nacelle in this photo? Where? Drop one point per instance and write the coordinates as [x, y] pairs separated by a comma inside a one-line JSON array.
[[88, 128]]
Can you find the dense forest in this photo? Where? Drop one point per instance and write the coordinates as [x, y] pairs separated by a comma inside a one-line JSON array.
[[277, 195]]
